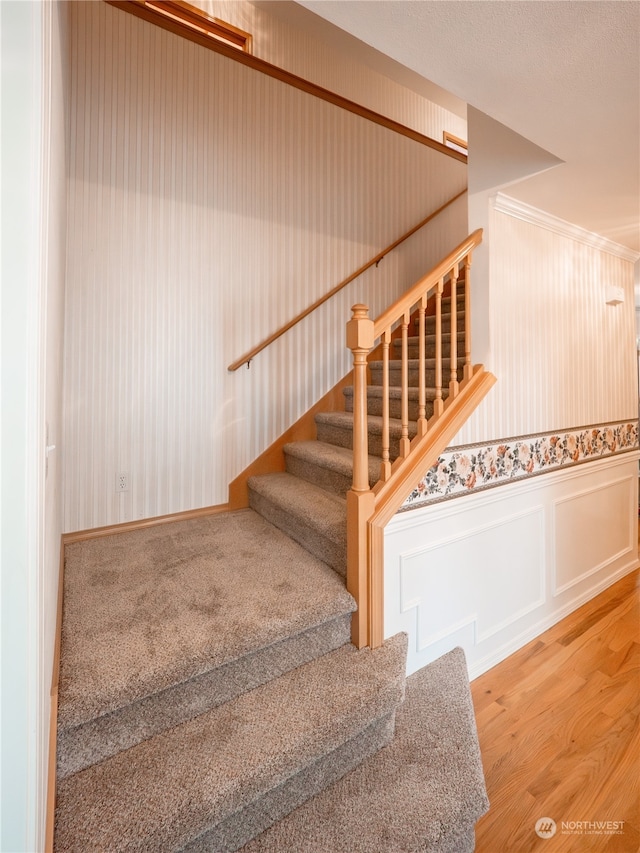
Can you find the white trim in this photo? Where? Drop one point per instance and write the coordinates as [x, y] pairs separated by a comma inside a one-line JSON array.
[[25, 706], [520, 210]]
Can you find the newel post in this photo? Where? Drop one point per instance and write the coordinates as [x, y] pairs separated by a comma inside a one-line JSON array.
[[360, 498]]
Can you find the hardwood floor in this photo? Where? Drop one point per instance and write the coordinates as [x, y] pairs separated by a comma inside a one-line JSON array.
[[559, 734]]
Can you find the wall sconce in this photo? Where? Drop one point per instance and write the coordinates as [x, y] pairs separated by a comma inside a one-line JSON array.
[[614, 295]]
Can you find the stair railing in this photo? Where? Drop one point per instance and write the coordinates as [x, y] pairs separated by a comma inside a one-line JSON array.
[[246, 358], [365, 503]]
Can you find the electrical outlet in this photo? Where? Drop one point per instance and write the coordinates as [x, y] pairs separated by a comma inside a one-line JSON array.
[[122, 482]]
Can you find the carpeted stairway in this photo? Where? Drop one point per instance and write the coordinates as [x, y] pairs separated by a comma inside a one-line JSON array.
[[421, 794], [209, 694], [308, 500], [207, 686]]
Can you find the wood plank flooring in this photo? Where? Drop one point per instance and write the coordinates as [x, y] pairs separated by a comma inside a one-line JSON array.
[[559, 734]]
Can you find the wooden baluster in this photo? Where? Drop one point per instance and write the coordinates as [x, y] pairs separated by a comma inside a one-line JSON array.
[[404, 440], [422, 380], [438, 404], [453, 382], [468, 369], [360, 499], [385, 467]]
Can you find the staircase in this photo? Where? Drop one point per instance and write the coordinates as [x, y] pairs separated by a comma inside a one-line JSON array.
[[208, 688], [308, 500]]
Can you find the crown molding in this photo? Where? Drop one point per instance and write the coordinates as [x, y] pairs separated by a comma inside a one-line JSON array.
[[520, 210]]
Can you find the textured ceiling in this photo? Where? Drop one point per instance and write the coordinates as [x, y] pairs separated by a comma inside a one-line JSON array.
[[564, 75]]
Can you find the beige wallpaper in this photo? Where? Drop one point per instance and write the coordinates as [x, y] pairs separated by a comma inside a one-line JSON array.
[[207, 205], [562, 356], [280, 41]]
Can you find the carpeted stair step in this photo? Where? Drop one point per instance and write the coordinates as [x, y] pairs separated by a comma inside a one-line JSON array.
[[421, 794], [430, 344], [161, 624], [337, 428], [326, 465], [310, 515], [446, 301], [395, 371], [374, 400], [445, 313], [222, 778], [430, 322]]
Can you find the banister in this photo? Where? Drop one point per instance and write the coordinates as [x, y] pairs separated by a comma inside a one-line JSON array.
[[412, 296], [368, 511], [246, 358]]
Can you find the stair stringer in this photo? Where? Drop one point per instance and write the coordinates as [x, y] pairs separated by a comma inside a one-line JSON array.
[[370, 512]]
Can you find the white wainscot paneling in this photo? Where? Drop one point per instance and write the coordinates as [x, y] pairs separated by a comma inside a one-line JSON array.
[[491, 571], [592, 530], [472, 586]]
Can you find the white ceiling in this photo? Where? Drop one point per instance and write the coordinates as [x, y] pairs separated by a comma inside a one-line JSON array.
[[564, 74]]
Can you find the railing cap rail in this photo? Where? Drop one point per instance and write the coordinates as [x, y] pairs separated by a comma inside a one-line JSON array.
[[423, 285]]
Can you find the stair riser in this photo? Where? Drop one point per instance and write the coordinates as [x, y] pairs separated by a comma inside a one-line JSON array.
[[332, 552], [344, 438], [430, 322], [81, 746], [446, 300], [430, 342], [331, 481], [374, 407], [413, 351], [395, 375], [237, 830]]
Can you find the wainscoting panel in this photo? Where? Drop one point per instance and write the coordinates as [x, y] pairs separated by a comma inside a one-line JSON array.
[[476, 603], [489, 571], [592, 529]]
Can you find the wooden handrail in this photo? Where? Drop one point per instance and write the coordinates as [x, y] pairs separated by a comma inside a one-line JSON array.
[[412, 296], [246, 358]]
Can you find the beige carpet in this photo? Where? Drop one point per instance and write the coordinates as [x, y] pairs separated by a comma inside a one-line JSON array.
[[421, 794], [209, 696]]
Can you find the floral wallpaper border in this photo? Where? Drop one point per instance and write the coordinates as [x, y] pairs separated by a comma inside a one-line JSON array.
[[471, 468]]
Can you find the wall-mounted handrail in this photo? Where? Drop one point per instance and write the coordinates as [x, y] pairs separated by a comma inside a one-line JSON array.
[[246, 358]]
